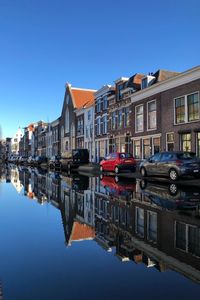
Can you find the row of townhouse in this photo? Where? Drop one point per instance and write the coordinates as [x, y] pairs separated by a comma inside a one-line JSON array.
[[142, 115]]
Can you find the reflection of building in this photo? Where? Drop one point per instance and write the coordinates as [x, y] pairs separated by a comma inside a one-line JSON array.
[[15, 141], [15, 179], [136, 229], [144, 232]]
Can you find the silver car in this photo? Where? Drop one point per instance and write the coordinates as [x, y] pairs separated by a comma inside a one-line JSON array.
[[171, 164]]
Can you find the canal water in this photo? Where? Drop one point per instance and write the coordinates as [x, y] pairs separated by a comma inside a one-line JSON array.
[[77, 237]]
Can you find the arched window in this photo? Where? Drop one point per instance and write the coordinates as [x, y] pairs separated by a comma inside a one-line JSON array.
[[67, 120], [67, 146]]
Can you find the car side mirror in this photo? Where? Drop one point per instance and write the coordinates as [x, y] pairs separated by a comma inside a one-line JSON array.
[[151, 160]]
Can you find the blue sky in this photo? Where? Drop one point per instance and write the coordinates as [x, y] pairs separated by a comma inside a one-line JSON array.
[[45, 43]]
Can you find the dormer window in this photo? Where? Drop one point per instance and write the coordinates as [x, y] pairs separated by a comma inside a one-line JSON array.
[[119, 90], [147, 81]]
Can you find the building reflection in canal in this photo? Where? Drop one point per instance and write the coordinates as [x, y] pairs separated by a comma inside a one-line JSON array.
[[143, 222]]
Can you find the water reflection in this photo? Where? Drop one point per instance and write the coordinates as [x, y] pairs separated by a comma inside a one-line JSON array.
[[144, 222]]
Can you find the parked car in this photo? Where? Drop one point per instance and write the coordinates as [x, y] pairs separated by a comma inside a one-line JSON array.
[[118, 161], [75, 158], [121, 188], [54, 162], [170, 196], [171, 164]]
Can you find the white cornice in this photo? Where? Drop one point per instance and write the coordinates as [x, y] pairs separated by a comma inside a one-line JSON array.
[[103, 90], [183, 78], [121, 79]]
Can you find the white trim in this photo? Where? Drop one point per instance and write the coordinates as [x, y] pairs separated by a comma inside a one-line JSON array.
[[151, 129], [121, 79], [80, 89], [103, 91], [180, 79], [146, 136]]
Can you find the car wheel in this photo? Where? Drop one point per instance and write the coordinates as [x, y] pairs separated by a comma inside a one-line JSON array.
[[173, 189], [173, 175], [143, 172], [143, 184], [116, 170], [101, 169]]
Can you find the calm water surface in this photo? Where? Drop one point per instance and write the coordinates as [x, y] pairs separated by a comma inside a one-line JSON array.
[[79, 237]]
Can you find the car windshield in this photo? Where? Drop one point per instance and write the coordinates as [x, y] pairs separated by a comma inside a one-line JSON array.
[[125, 155], [186, 155]]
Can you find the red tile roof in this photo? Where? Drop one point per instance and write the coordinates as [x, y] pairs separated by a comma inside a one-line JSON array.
[[81, 232], [82, 98]]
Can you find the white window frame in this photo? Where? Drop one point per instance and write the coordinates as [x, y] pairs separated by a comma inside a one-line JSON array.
[[151, 129], [186, 108], [137, 131]]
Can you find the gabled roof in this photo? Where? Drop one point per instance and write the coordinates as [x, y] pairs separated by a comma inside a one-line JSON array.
[[81, 97], [81, 232], [162, 75]]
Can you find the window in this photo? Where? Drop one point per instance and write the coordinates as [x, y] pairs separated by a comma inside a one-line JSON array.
[[139, 219], [98, 104], [180, 236], [139, 117], [137, 152], [166, 156], [187, 238], [151, 108], [105, 124], [105, 102], [186, 142], [187, 108], [126, 117], [120, 118], [119, 91], [67, 120], [146, 148], [156, 145], [180, 110], [98, 126], [170, 141], [89, 115], [113, 120], [156, 157], [193, 107], [152, 226]]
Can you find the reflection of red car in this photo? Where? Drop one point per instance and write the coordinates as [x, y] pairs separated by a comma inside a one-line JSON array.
[[118, 161], [120, 188]]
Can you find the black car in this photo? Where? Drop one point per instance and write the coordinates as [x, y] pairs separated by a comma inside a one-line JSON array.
[[74, 159], [171, 164]]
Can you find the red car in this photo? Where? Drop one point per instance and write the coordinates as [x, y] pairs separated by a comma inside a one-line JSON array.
[[118, 161], [121, 189]]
